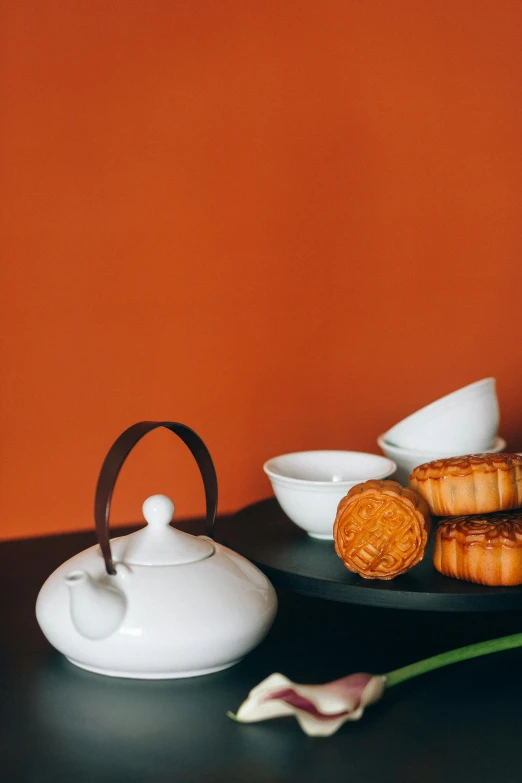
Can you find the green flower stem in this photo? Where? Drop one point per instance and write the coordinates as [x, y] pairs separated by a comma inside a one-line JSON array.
[[453, 656]]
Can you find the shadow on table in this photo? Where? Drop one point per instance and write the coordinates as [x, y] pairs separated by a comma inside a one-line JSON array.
[[70, 725]]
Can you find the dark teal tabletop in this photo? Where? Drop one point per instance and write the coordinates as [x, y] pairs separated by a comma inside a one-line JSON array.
[[59, 724]]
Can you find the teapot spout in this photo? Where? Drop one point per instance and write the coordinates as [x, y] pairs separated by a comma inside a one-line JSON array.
[[97, 608]]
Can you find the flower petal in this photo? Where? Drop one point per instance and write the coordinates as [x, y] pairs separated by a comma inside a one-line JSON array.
[[297, 700], [319, 709]]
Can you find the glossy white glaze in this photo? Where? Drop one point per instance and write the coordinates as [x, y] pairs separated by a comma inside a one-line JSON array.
[[464, 421], [408, 459], [158, 543], [156, 621], [309, 484]]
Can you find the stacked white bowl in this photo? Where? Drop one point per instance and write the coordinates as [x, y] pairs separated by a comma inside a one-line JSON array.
[[463, 422]]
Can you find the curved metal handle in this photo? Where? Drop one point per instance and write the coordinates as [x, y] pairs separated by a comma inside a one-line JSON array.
[[113, 463]]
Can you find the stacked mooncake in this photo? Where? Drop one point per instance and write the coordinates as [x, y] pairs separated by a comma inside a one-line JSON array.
[[381, 528], [479, 498]]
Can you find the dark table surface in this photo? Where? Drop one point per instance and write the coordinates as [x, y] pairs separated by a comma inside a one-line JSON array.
[[60, 724], [289, 557]]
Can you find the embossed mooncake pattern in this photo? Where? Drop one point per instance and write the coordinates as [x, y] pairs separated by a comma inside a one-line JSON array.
[[381, 529], [483, 549], [474, 484]]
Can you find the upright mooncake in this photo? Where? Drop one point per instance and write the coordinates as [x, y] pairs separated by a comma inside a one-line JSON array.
[[381, 529]]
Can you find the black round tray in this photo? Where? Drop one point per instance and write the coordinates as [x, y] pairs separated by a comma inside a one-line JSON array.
[[291, 559]]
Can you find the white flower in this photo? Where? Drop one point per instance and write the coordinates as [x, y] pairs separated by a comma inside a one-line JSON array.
[[319, 709]]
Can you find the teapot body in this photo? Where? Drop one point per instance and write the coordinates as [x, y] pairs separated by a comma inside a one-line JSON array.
[[170, 620]]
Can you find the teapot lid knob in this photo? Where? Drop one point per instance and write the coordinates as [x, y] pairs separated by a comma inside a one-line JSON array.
[[158, 511]]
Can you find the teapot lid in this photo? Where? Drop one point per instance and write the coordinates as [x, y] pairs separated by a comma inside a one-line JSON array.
[[160, 544]]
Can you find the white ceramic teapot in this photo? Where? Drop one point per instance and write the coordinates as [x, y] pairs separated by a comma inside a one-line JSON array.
[[158, 603]]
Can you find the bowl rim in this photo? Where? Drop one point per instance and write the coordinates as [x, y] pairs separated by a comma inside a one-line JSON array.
[[441, 402], [499, 441], [388, 471]]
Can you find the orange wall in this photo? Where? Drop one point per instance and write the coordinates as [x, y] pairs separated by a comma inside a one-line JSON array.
[[286, 224]]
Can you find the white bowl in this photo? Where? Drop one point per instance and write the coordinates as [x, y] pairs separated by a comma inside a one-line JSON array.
[[466, 420], [407, 459], [310, 484]]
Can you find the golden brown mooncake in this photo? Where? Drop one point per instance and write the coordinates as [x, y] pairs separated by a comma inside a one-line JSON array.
[[381, 529], [474, 484], [485, 548]]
